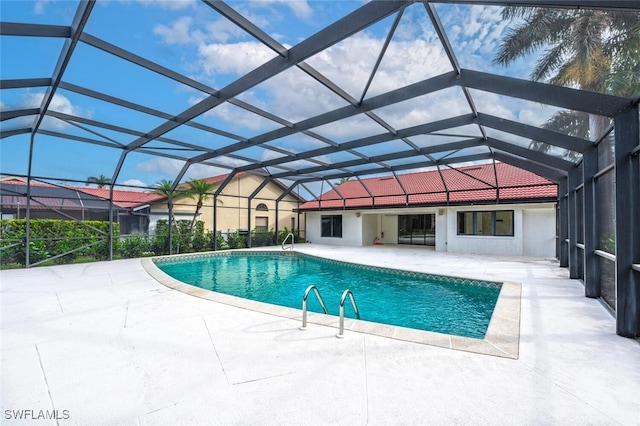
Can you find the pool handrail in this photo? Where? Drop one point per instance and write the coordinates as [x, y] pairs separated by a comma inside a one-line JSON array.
[[290, 234], [304, 304], [346, 293]]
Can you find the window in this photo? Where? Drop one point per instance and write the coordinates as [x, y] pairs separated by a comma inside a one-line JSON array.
[[262, 207], [262, 223], [495, 223], [331, 226]]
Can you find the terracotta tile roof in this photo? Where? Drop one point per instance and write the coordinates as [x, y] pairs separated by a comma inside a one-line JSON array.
[[64, 197], [124, 199], [464, 185], [121, 198]]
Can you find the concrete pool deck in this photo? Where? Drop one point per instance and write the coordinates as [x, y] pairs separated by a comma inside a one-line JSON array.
[[106, 344]]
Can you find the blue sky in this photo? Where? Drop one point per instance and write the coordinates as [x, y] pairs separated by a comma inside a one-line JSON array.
[[190, 38]]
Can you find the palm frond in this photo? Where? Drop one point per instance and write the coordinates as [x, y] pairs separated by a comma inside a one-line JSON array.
[[541, 28], [549, 63], [572, 123]]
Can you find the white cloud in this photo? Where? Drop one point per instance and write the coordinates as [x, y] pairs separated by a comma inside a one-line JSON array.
[[300, 8], [222, 30], [169, 168], [39, 6], [170, 4], [134, 182], [234, 58], [59, 103], [166, 166], [415, 54], [179, 32]]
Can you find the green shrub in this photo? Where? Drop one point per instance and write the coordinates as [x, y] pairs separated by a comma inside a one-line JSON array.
[[296, 237], [262, 238], [236, 241], [220, 242], [52, 237], [134, 246], [199, 240], [183, 238], [37, 252]]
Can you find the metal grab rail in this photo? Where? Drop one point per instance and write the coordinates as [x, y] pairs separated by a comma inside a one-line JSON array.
[[304, 304], [346, 293], [290, 234]]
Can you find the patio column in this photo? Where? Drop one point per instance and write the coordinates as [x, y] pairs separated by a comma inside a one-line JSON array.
[[627, 174], [563, 226], [591, 278], [573, 223]]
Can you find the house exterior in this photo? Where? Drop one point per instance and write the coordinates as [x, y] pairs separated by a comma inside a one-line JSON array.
[[234, 211], [130, 208], [475, 209], [137, 212]]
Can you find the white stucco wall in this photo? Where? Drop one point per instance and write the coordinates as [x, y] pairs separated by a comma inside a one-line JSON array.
[[369, 228], [389, 228], [156, 215], [480, 244], [351, 229], [539, 232], [441, 230], [539, 224], [534, 230]]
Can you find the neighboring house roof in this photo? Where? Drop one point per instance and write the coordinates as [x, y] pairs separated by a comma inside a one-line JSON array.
[[124, 199], [46, 195], [464, 185], [13, 195], [13, 192]]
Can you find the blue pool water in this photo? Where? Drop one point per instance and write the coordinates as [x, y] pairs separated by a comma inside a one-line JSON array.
[[425, 302]]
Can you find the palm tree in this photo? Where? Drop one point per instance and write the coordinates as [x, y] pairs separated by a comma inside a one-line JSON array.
[[589, 49], [163, 188], [101, 181], [199, 190]]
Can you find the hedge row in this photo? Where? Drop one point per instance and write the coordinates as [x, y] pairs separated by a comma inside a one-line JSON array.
[[51, 238]]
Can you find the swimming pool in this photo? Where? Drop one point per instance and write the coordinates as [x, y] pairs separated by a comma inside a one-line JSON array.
[[448, 305]]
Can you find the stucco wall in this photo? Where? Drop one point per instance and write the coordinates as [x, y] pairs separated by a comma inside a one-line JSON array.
[[541, 224], [369, 228], [539, 232], [534, 230], [390, 228], [351, 229], [441, 230], [232, 212]]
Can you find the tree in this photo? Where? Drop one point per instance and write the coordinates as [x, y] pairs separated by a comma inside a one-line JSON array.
[[100, 181], [589, 49], [343, 180], [163, 188], [199, 190]]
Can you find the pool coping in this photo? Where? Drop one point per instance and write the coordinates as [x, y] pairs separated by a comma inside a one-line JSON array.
[[502, 338]]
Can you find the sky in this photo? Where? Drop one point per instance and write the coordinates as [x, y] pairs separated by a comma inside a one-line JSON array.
[[192, 39]]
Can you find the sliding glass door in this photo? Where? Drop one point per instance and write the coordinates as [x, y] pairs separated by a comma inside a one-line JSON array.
[[418, 229]]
